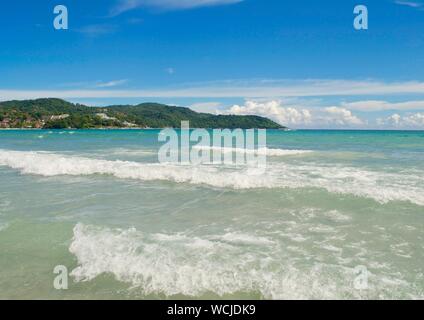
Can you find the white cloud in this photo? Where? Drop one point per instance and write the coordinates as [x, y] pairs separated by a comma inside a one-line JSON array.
[[341, 117], [377, 105], [127, 5], [273, 110], [412, 4], [414, 120], [93, 84], [297, 114], [234, 89], [207, 107], [409, 121], [394, 119], [298, 117], [110, 84]]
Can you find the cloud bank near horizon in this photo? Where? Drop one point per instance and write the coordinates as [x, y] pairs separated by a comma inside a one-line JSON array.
[[323, 117], [298, 103], [237, 89]]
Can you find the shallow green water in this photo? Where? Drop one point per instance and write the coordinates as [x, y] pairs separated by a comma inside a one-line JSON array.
[[137, 229]]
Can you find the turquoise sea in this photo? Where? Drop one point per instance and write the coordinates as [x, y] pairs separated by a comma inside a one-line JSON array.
[[330, 204]]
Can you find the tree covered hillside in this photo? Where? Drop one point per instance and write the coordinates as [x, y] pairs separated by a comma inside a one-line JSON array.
[[60, 114]]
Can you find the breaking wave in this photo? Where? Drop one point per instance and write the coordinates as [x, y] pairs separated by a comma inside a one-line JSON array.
[[380, 186], [227, 264], [261, 151]]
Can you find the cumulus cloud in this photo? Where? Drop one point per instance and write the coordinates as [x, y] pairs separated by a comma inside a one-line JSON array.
[[411, 120], [273, 110], [298, 117], [415, 120], [127, 5], [206, 107], [394, 120], [378, 105], [341, 117]]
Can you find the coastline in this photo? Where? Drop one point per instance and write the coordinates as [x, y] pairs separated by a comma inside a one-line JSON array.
[[285, 130], [126, 129]]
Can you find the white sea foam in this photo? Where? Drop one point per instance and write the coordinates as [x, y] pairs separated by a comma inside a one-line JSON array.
[[337, 216], [157, 265], [179, 264], [260, 151], [46, 164], [378, 185], [242, 238], [3, 226], [131, 152]]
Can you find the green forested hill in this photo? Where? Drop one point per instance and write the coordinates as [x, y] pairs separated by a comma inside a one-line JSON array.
[[57, 113]]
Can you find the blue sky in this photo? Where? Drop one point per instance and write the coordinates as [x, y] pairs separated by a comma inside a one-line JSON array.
[[299, 62]]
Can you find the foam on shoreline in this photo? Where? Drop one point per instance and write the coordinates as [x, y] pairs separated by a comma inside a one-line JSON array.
[[380, 186]]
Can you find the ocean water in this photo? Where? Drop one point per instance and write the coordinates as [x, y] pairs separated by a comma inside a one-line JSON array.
[[330, 205]]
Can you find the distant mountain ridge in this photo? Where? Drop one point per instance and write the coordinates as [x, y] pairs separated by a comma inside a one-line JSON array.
[[52, 113]]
